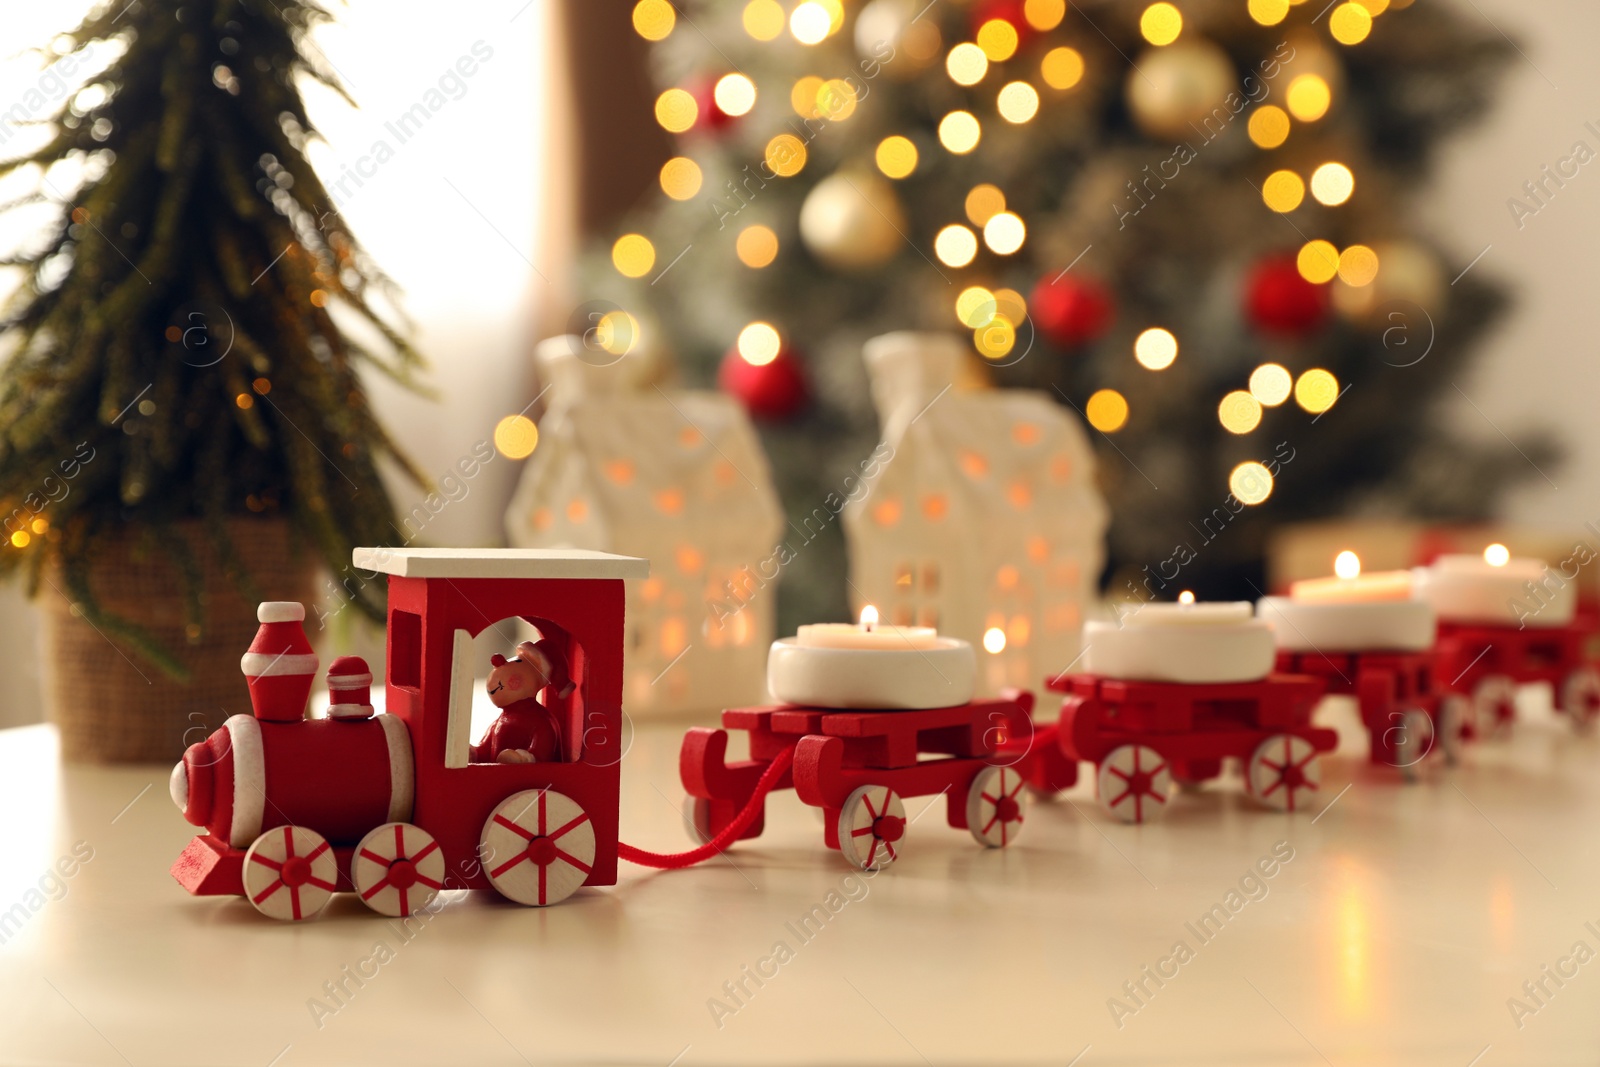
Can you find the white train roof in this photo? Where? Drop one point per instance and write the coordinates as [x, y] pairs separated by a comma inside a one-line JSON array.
[[499, 563]]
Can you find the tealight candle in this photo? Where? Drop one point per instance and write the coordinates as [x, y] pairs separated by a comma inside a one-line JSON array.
[[1184, 642], [1350, 612], [1496, 589], [871, 666]]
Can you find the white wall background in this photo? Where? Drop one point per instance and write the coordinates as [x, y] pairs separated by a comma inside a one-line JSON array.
[[454, 217]]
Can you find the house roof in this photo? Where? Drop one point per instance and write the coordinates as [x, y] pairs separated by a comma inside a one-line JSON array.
[[499, 563]]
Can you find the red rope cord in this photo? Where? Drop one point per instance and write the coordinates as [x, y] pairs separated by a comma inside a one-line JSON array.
[[730, 833]]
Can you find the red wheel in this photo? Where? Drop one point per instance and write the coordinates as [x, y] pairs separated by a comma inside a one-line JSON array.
[[398, 869], [1283, 772], [1580, 697], [538, 846], [871, 825], [290, 873], [995, 806], [1134, 783], [1494, 705], [1454, 733]]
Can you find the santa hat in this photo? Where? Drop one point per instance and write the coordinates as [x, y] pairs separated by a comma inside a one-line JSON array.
[[349, 688], [280, 664]]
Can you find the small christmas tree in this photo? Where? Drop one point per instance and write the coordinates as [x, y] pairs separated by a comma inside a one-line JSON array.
[[176, 355], [1186, 220]]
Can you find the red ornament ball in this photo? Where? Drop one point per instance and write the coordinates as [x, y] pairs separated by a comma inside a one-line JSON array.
[[773, 390], [1278, 300], [1072, 310]]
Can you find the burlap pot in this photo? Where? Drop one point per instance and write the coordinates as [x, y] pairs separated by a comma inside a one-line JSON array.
[[112, 704]]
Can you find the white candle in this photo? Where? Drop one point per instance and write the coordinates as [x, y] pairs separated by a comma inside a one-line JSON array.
[[869, 666], [1497, 590], [1350, 612], [1190, 643]]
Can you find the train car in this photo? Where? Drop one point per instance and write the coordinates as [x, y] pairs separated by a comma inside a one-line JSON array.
[[1485, 663], [393, 806], [1401, 703]]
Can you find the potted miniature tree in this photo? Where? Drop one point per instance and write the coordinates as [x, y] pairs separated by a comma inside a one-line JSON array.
[[182, 427]]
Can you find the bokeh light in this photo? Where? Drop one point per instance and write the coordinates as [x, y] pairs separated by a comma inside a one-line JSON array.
[[680, 177], [676, 110], [1061, 68], [1350, 23], [955, 245], [759, 344], [995, 338], [803, 96], [1004, 233], [516, 436], [1269, 126], [1269, 12], [1250, 482], [1271, 384], [1358, 266], [756, 246], [735, 94], [836, 100], [763, 19], [633, 255], [1317, 261], [1018, 102], [1316, 390], [896, 156], [975, 307], [810, 22], [984, 202], [1332, 184], [1155, 348], [998, 39], [966, 64], [959, 132], [1309, 97], [1283, 191], [617, 332], [1239, 412], [653, 19], [1161, 23], [786, 155], [1107, 411], [1044, 15]]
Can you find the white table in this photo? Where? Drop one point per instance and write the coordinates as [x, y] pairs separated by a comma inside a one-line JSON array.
[[1396, 934]]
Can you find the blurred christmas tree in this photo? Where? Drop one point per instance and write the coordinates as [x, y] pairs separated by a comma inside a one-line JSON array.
[[1189, 222]]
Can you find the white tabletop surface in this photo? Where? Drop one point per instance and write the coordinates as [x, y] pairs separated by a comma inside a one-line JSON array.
[[1405, 921]]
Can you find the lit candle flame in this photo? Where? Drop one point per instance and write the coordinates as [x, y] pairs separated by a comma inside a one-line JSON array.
[[994, 640], [1347, 564], [1497, 555], [1186, 597], [869, 618]]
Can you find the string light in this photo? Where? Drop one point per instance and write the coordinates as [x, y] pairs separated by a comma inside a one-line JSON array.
[[1061, 68], [786, 155], [735, 94], [680, 177], [759, 344], [21, 538], [1155, 348], [1316, 390], [975, 307], [1044, 15], [959, 132], [984, 202], [1269, 12], [1358, 266], [653, 19], [1308, 97], [1161, 23], [1004, 233], [1271, 384], [1250, 482], [1107, 411], [1332, 184], [896, 156], [1018, 102], [1317, 261], [994, 339], [955, 245], [516, 436], [1283, 191], [836, 100], [810, 22], [966, 64], [1239, 412], [633, 255], [756, 246], [1350, 23], [676, 110], [998, 39], [803, 97], [763, 19], [1269, 126]]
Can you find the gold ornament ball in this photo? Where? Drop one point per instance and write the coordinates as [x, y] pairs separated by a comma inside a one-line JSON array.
[[1171, 90], [852, 221]]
